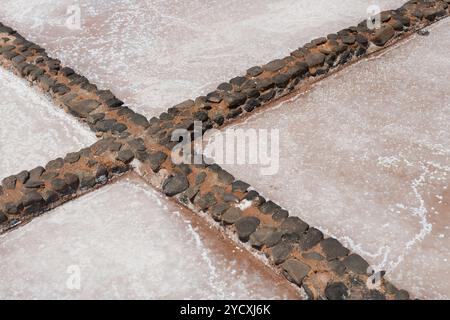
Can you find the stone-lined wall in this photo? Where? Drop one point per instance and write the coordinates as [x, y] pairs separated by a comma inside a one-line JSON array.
[[30, 193], [303, 254]]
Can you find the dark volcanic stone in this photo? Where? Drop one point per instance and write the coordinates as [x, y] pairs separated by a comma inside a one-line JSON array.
[[34, 184], [349, 39], [175, 185], [72, 157], [254, 71], [114, 103], [225, 87], [218, 210], [234, 100], [72, 180], [232, 215], [333, 249], [9, 182], [337, 266], [293, 225], [281, 252], [311, 238], [156, 159], [336, 291], [60, 186], [32, 198], [205, 201], [275, 65], [281, 80], [258, 238], [383, 35], [50, 196], [239, 186], [356, 264], [280, 215], [295, 271], [23, 176], [269, 207], [139, 120], [55, 164], [126, 156], [315, 59], [246, 226]]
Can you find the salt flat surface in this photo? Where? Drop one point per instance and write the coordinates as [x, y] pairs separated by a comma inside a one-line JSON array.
[[127, 242], [156, 53], [365, 156], [32, 129]]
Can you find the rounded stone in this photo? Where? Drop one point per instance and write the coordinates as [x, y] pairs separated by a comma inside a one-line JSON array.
[[333, 249], [295, 271], [175, 185], [336, 291], [246, 226], [356, 264], [232, 215]]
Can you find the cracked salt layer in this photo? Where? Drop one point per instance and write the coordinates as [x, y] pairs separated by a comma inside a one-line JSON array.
[[32, 129], [365, 156], [125, 241], [154, 54]]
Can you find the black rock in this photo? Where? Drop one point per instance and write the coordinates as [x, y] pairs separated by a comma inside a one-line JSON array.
[[34, 184], [356, 264], [281, 80], [72, 180], [87, 182], [232, 215], [139, 120], [126, 156], [274, 65], [238, 81], [374, 295], [234, 100], [258, 238], [311, 238], [72, 157], [293, 225], [60, 186], [280, 215], [337, 266], [205, 201], [239, 186], [315, 59], [214, 97], [218, 210], [175, 185], [383, 35], [9, 182], [55, 164], [336, 291], [31, 198], [156, 159], [269, 207], [281, 252], [36, 172], [295, 271], [225, 87], [333, 249], [254, 71], [23, 176], [114, 103], [50, 196], [246, 226]]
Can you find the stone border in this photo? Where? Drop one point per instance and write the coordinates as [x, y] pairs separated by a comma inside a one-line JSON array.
[[318, 264], [30, 193]]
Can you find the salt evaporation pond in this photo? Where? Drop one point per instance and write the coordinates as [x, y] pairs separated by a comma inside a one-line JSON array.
[[365, 156], [156, 53], [127, 242], [32, 129]]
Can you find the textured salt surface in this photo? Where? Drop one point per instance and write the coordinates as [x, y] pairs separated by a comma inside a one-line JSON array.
[[126, 242], [365, 156], [32, 129], [156, 53]]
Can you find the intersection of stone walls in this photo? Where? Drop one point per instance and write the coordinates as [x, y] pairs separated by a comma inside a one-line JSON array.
[[318, 264], [30, 193]]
